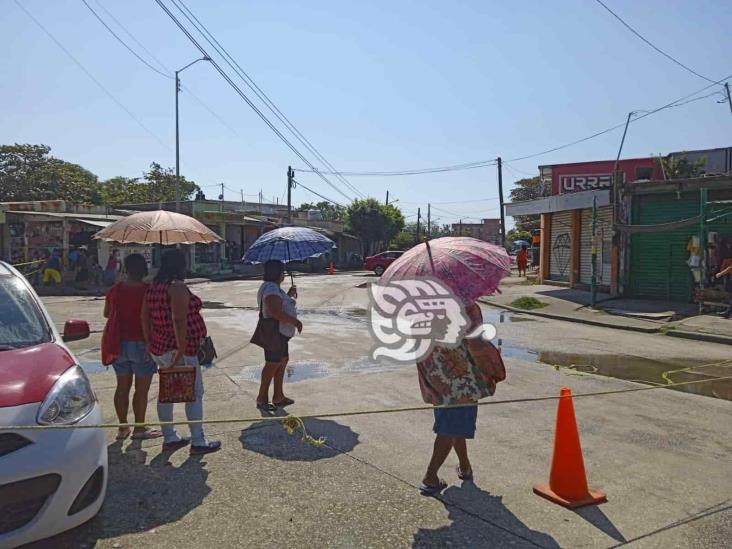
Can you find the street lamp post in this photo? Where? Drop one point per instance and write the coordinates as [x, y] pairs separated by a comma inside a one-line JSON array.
[[177, 134]]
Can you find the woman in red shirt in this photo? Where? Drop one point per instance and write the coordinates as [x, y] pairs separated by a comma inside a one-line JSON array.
[[125, 299]]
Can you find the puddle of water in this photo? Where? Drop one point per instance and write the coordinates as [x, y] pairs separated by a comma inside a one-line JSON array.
[[296, 371], [93, 366], [647, 371]]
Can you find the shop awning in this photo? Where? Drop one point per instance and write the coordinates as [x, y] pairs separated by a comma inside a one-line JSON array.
[[559, 203], [95, 223]]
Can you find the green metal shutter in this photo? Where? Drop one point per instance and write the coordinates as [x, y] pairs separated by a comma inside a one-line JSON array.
[[658, 268]]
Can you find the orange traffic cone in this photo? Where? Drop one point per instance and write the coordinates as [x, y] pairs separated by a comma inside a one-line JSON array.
[[567, 481], [331, 268]]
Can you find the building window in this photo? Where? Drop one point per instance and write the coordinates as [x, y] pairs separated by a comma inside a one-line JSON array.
[[643, 173]]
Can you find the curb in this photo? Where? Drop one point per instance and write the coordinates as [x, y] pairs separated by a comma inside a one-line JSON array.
[[711, 338], [640, 329]]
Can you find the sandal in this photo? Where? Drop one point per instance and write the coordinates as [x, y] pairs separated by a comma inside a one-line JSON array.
[[464, 475], [284, 402], [213, 446], [175, 445], [147, 434], [266, 407], [427, 490], [123, 433]]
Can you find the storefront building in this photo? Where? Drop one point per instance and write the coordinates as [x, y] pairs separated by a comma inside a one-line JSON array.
[[567, 220]]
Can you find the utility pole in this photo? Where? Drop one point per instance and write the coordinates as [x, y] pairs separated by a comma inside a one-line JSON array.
[[221, 197], [460, 228], [387, 198], [419, 218], [500, 197], [177, 132], [242, 200], [429, 221], [593, 280], [729, 98], [290, 177]]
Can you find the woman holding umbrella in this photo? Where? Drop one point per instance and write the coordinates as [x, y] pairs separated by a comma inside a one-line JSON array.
[[275, 304]]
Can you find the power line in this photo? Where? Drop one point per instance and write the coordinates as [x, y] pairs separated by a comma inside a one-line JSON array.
[[456, 201], [160, 63], [91, 76], [318, 194], [517, 171], [659, 50], [133, 52], [418, 171], [241, 94], [208, 36]]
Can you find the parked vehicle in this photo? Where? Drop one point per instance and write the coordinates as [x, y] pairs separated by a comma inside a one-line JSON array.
[[379, 262], [50, 480]]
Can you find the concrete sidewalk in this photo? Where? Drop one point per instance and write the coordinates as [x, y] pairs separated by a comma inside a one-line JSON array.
[[645, 316]]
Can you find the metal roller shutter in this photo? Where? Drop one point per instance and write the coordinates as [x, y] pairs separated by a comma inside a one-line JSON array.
[[561, 246], [604, 245]]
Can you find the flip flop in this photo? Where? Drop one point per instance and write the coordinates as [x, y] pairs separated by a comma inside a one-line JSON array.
[[123, 433], [213, 446], [464, 475], [147, 434], [284, 402], [427, 490]]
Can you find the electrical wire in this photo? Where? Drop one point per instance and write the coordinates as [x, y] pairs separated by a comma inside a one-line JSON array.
[[458, 201], [236, 67], [419, 171], [659, 50], [317, 194], [241, 94], [90, 75], [133, 52], [519, 172], [159, 63]]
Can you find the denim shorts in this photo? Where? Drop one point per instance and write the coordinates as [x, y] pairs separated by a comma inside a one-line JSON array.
[[132, 360], [456, 422]]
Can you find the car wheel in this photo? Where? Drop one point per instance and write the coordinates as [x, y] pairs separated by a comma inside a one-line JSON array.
[[379, 270]]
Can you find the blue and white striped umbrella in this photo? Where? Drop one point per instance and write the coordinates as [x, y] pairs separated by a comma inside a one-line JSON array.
[[288, 244]]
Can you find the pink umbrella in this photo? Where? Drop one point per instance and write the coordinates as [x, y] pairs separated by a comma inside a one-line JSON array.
[[469, 267]]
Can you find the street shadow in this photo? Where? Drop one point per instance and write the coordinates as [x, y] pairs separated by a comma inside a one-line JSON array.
[[139, 497], [479, 519], [595, 516], [270, 439]]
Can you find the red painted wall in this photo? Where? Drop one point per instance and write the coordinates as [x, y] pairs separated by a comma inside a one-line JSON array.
[[605, 167]]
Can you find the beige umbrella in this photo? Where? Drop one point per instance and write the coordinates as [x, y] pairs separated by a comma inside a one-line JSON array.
[[158, 227]]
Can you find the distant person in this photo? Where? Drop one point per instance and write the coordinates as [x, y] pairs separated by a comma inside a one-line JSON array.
[[125, 300], [462, 375], [52, 269], [522, 260], [73, 258], [274, 303], [727, 271], [110, 271], [95, 271], [82, 267], [173, 328]]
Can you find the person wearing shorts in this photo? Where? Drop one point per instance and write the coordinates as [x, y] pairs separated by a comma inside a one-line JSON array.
[[275, 303], [133, 363]]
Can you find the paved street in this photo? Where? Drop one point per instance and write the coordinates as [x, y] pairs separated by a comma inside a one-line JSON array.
[[662, 456]]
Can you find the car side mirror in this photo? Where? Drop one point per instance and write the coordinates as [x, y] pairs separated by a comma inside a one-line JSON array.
[[75, 330]]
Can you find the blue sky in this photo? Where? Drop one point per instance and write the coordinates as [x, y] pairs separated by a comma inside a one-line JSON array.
[[378, 85]]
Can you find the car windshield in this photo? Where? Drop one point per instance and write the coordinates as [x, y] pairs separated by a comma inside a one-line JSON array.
[[21, 322]]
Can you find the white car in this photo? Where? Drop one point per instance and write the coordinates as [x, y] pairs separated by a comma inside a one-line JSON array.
[[50, 480]]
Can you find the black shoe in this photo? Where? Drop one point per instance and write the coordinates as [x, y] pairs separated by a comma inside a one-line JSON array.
[[266, 407], [177, 445], [213, 446]]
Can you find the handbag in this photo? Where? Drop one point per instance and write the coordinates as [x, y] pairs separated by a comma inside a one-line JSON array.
[[267, 333], [207, 352], [177, 384], [112, 334]]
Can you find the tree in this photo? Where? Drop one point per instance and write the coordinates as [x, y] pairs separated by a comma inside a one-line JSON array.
[[158, 185], [123, 190], [28, 172], [330, 211], [407, 237], [373, 222], [514, 234], [679, 167], [526, 189]]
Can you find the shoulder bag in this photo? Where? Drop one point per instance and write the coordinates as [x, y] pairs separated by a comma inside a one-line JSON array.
[[267, 333]]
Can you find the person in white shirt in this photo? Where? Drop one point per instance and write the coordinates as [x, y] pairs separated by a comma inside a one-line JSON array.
[[275, 304]]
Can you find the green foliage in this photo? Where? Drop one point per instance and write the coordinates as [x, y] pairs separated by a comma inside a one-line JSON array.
[[514, 234], [158, 185], [373, 222], [679, 167], [526, 189], [28, 172], [528, 303], [407, 237], [331, 212]]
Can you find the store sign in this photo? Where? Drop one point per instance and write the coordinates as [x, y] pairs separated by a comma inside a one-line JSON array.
[[579, 183]]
